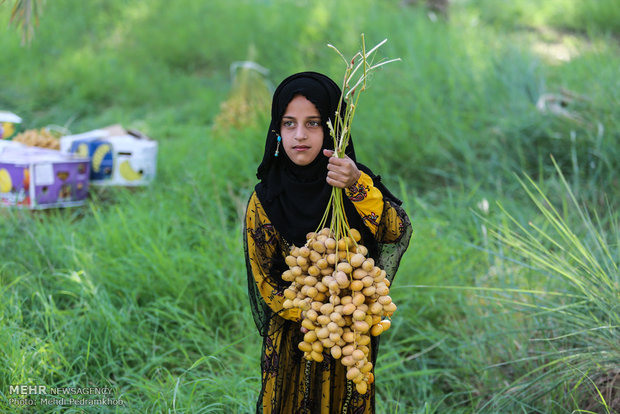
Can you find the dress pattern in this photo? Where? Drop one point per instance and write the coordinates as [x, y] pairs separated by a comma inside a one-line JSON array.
[[289, 383], [357, 192], [371, 219]]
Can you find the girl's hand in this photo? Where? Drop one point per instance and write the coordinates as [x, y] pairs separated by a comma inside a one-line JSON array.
[[342, 172]]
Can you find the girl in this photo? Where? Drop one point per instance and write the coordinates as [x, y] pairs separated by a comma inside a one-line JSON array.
[[296, 178]]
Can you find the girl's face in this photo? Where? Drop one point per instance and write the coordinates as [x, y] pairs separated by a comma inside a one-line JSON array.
[[301, 131]]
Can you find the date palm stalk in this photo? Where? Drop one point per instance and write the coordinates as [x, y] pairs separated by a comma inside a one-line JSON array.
[[356, 74]]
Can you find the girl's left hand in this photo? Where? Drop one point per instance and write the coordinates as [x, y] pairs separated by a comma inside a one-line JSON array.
[[342, 172]]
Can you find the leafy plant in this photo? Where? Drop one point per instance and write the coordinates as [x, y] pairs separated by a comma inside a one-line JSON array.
[[25, 15]]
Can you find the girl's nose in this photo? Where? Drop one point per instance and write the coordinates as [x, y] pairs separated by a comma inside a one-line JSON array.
[[300, 132]]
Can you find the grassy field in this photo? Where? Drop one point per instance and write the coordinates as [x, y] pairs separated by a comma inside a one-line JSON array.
[[499, 129]]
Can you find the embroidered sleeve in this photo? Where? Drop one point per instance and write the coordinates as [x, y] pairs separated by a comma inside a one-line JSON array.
[[262, 245], [368, 201], [379, 216]]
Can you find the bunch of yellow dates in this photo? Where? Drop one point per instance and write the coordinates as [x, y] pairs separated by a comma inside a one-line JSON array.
[[38, 138], [343, 297]]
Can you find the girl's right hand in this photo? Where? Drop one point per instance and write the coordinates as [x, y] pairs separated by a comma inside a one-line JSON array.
[[342, 172]]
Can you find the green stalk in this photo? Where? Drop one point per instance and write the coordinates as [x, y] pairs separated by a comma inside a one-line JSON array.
[[340, 131]]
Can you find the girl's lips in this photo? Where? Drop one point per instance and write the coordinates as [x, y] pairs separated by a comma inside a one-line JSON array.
[[301, 148]]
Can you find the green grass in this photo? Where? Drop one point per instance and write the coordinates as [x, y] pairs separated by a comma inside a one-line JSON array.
[[144, 290]]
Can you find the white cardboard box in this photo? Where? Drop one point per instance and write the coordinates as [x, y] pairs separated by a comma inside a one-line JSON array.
[[118, 156]]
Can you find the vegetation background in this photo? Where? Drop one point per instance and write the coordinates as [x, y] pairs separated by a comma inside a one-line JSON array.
[[499, 129]]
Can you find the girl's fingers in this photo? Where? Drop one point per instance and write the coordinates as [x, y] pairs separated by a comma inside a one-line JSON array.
[[333, 167], [340, 165], [336, 160], [338, 180], [339, 161], [334, 177], [337, 176], [335, 183], [342, 172]]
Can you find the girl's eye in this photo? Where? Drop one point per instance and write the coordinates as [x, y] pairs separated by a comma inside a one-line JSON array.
[[314, 124], [288, 124]]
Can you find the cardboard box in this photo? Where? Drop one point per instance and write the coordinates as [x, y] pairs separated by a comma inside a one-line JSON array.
[[118, 156], [9, 145], [99, 151], [37, 178], [9, 124]]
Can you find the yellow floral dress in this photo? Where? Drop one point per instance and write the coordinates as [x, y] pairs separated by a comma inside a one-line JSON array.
[[290, 384]]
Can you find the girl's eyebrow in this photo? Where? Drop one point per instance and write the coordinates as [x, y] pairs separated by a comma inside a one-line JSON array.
[[310, 117]]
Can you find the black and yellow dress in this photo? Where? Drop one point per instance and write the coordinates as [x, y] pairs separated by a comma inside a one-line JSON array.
[[290, 384]]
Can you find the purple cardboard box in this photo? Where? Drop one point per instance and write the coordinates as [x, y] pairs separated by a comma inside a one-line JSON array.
[[37, 178]]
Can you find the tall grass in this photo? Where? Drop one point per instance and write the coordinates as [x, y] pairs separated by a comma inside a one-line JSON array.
[[143, 290], [579, 326], [147, 300]]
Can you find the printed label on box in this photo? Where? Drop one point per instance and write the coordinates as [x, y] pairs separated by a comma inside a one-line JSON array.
[[43, 174]]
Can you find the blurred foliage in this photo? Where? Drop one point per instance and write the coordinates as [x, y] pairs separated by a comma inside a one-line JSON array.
[[484, 91]]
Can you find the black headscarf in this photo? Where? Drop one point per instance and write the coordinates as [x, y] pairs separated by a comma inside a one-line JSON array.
[[295, 197]]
